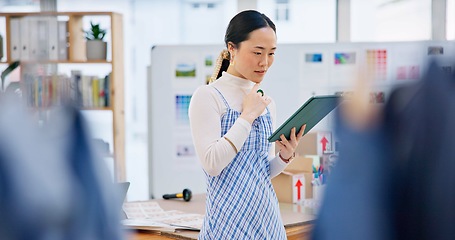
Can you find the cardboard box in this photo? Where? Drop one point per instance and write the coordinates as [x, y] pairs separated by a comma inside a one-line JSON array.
[[294, 183], [308, 145], [315, 143]]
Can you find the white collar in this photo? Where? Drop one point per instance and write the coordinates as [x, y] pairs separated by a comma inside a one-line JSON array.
[[234, 81]]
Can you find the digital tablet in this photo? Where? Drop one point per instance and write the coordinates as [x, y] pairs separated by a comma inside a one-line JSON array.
[[310, 113]]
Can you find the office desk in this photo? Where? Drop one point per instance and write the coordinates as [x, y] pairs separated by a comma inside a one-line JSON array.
[[297, 219]]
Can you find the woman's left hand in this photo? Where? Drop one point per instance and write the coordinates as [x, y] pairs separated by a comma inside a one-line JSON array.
[[287, 146]]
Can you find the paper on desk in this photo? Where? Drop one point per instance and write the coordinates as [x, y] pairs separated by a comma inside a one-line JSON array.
[[182, 220], [152, 213], [141, 209], [147, 224]]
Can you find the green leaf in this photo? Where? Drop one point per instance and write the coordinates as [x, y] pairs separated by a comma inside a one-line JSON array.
[[95, 32]]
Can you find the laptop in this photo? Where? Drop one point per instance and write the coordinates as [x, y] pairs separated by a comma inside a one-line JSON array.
[[122, 190]]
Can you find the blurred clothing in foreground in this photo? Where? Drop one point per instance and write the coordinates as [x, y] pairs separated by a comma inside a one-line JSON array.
[[52, 185], [396, 179]]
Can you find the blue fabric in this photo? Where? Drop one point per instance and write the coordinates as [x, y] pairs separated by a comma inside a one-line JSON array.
[[354, 204], [241, 202], [52, 185], [397, 181]]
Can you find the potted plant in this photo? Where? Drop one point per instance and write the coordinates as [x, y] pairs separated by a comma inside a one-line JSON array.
[[96, 47]]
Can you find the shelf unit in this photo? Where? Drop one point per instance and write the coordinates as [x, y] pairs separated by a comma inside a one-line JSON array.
[[76, 55]]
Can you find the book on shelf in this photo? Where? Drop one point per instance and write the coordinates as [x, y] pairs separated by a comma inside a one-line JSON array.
[[106, 89], [53, 40], [38, 38], [1, 47], [15, 38], [76, 87], [96, 91], [90, 91], [45, 90], [102, 92], [82, 90], [25, 38], [62, 40], [86, 88]]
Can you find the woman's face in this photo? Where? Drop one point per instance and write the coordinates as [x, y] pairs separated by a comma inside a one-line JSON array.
[[252, 58]]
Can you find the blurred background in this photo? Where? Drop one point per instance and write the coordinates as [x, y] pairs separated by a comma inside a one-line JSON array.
[[149, 23]]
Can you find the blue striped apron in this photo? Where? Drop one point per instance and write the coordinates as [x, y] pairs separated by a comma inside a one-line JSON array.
[[241, 202]]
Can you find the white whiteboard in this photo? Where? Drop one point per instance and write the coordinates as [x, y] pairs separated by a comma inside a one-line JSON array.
[[173, 162]]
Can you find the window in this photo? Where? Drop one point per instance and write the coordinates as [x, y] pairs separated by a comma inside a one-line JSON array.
[[282, 10], [307, 21], [390, 20], [203, 5], [450, 23], [202, 24]]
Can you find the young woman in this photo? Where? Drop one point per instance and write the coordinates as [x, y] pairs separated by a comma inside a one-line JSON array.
[[231, 119]]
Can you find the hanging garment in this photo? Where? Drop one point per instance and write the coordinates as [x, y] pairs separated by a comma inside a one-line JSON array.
[[396, 181], [52, 185]]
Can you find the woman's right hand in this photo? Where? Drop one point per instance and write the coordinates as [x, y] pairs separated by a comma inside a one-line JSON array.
[[254, 104]]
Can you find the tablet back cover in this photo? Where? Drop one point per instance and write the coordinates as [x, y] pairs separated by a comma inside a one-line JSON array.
[[310, 113]]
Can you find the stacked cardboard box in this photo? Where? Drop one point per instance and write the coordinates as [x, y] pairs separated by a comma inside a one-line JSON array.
[[294, 183]]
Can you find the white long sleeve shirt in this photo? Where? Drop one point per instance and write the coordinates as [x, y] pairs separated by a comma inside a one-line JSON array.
[[205, 112]]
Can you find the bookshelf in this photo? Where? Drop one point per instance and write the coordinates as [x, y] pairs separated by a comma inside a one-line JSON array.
[[65, 50]]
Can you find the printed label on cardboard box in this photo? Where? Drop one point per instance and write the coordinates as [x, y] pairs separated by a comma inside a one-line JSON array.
[[324, 143], [298, 191]]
